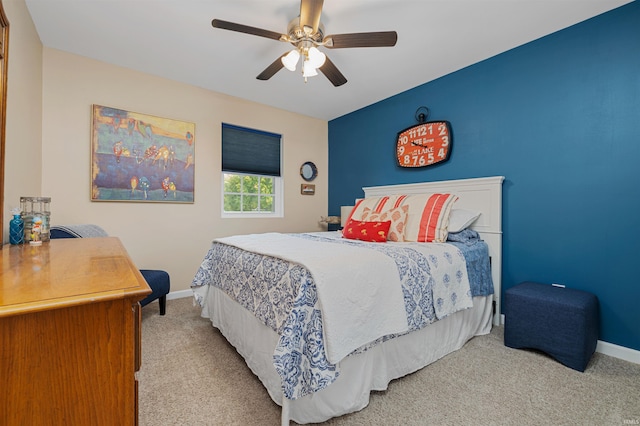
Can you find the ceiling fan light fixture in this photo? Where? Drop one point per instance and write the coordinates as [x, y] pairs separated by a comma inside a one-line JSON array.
[[316, 57], [290, 60], [308, 70]]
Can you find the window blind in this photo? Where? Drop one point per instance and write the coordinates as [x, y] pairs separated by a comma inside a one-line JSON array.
[[250, 151]]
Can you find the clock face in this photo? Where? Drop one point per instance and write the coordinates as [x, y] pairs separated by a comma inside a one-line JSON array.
[[424, 144]]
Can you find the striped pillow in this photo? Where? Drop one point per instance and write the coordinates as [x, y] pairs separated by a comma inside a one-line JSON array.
[[428, 217], [375, 204], [397, 216]]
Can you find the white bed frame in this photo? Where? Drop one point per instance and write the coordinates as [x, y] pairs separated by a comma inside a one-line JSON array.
[[412, 351], [479, 194]]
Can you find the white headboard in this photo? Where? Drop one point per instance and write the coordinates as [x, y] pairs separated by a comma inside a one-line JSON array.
[[479, 194]]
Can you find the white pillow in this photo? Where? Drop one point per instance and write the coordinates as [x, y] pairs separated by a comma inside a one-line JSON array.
[[460, 219]]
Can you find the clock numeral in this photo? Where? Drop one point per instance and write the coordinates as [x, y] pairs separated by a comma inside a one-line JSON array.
[[417, 160], [403, 139], [425, 130], [441, 153], [445, 140], [400, 150], [431, 129], [420, 131]]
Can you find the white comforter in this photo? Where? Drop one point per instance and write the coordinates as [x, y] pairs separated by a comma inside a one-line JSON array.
[[353, 297], [347, 294]]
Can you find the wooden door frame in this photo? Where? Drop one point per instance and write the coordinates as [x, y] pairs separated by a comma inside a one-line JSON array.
[[4, 60]]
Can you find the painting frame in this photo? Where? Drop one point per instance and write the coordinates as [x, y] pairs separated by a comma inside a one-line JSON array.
[[138, 157]]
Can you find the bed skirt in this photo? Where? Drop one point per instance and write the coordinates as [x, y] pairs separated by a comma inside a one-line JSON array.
[[359, 374]]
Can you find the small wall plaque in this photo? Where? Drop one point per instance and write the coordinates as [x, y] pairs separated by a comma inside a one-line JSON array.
[[307, 189]]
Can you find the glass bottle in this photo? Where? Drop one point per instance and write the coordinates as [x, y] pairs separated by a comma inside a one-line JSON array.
[[16, 230]]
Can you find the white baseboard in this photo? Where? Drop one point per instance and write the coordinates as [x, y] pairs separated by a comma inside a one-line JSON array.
[[616, 351], [179, 294]]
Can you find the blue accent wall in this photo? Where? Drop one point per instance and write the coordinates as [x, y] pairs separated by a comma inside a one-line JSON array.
[[559, 118]]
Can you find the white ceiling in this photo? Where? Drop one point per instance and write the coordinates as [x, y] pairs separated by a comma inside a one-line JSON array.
[[174, 39]]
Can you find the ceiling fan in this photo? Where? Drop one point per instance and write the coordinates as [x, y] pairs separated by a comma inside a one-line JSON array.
[[306, 34]]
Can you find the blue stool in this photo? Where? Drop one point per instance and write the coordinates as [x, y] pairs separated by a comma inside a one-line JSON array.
[[158, 280], [561, 322]]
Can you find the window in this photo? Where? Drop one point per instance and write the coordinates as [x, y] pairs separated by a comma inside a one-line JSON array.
[[249, 193], [252, 185]]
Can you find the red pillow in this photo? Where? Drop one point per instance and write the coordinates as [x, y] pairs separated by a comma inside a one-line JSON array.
[[375, 232]]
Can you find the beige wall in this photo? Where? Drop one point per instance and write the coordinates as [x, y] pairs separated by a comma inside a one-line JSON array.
[[173, 237], [23, 150]]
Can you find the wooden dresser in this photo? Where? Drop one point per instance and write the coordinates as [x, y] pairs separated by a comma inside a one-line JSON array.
[[69, 333]]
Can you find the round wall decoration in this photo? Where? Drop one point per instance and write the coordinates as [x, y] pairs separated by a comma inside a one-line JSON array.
[[308, 171]]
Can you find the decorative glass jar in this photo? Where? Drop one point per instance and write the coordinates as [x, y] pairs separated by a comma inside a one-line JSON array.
[[36, 213]]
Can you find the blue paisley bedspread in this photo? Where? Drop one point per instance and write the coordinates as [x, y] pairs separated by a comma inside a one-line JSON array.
[[283, 295]]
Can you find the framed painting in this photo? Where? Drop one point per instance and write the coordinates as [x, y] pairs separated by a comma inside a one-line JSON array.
[[141, 158]]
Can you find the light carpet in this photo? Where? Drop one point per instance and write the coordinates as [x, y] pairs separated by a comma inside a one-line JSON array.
[[190, 375]]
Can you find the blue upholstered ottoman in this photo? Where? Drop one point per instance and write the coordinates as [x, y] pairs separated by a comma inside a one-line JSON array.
[[561, 322]]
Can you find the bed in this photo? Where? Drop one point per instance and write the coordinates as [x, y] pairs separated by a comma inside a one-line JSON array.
[[283, 302]]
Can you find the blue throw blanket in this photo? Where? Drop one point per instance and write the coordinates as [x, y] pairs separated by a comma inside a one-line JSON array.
[[81, 231]]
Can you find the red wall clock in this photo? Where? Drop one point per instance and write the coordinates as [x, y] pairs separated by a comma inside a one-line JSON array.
[[424, 144]]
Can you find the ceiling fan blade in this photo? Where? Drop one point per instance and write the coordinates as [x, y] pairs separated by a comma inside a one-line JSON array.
[[232, 26], [271, 70], [375, 39], [310, 11], [332, 73]]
